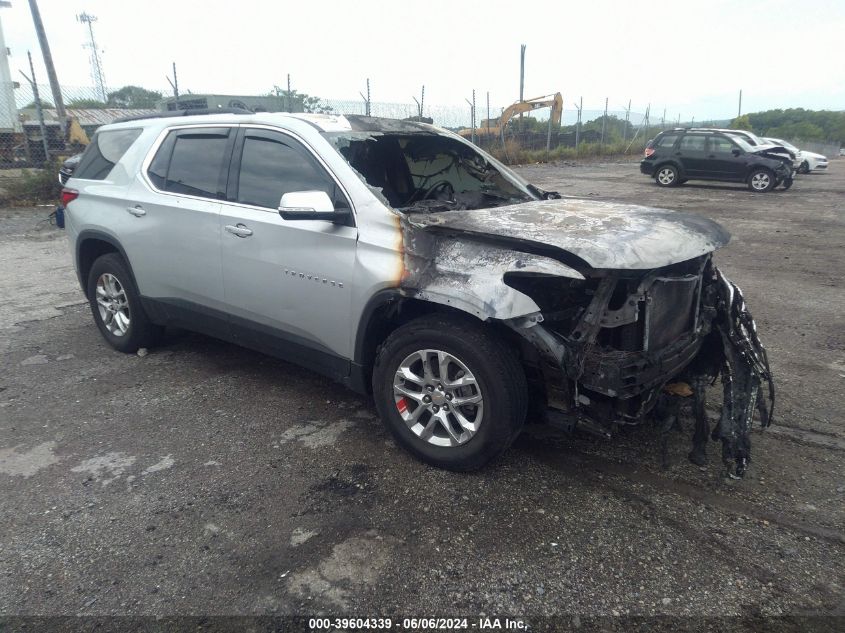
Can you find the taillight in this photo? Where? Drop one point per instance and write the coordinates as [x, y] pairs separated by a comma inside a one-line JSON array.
[[68, 196], [649, 151]]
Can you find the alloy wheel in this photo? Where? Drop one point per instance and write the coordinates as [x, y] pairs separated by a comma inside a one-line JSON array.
[[438, 397], [113, 304], [666, 176], [760, 181]]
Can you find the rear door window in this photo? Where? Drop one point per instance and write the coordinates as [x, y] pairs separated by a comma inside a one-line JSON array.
[[105, 150], [192, 162], [692, 143]]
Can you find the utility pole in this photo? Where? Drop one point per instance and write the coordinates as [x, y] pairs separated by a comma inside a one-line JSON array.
[[39, 112], [472, 116], [48, 64], [663, 120], [96, 62], [488, 116], [521, 78], [174, 84], [739, 110]]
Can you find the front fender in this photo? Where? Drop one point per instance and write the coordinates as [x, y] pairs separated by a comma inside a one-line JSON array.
[[470, 275]]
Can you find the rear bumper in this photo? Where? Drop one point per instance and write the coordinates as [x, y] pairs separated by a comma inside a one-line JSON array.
[[647, 167]]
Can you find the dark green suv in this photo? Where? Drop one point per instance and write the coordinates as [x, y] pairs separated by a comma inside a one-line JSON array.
[[675, 156]]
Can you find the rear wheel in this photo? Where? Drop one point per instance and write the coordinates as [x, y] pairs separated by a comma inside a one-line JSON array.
[[761, 180], [116, 305], [450, 392], [667, 176]]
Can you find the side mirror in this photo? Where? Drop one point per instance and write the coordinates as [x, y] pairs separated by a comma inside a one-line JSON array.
[[309, 205], [736, 151]]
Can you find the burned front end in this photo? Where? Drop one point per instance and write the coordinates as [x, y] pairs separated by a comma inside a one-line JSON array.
[[618, 308], [620, 347]]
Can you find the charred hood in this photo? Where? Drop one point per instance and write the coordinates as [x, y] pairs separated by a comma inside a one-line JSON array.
[[603, 235]]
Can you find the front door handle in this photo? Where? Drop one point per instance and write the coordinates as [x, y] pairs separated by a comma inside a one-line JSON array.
[[240, 230], [137, 210]]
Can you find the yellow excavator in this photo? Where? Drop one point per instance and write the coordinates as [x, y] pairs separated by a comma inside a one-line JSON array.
[[494, 128]]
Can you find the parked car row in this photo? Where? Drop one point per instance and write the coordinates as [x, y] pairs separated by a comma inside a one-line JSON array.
[[807, 161], [675, 156]]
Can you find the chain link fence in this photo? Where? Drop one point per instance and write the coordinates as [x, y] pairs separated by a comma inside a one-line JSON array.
[[32, 136]]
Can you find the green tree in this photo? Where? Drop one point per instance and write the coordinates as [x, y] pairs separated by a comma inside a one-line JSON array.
[[741, 123], [46, 105], [133, 97], [308, 103]]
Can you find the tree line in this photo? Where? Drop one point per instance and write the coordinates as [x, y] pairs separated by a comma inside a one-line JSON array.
[[795, 123]]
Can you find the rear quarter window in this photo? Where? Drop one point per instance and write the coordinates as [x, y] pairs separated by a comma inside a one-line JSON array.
[[666, 141], [105, 150]]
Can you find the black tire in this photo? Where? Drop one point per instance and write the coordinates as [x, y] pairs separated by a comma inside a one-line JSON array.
[[667, 176], [804, 168], [761, 176], [498, 375], [140, 331]]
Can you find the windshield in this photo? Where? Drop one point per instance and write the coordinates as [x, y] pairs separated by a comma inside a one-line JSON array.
[[742, 142], [788, 146], [429, 171], [755, 140]]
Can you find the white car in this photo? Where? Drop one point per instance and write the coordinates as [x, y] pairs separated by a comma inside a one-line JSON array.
[[807, 161]]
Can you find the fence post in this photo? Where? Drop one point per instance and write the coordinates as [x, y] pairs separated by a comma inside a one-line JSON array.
[[488, 116], [578, 124], [603, 122]]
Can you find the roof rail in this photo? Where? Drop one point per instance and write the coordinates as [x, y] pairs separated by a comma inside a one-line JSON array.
[[189, 112]]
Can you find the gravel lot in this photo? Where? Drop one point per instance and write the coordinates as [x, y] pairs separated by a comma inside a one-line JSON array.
[[206, 479]]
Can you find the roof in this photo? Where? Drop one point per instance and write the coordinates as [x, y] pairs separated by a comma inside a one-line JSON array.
[[323, 122]]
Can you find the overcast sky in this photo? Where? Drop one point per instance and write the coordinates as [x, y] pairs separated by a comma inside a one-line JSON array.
[[691, 57]]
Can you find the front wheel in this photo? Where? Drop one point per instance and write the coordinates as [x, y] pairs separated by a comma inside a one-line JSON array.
[[116, 305], [804, 168], [450, 392], [667, 176], [761, 180]]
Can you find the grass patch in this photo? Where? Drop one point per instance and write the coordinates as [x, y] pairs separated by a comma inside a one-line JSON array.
[[34, 186], [512, 154]]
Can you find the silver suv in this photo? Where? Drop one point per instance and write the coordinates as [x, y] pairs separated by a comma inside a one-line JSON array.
[[402, 261]]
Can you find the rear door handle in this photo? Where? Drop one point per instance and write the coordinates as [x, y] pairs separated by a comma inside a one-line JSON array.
[[240, 230], [137, 211]]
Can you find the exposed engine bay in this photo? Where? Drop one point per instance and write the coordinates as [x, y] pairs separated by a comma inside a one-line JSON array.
[[621, 348]]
